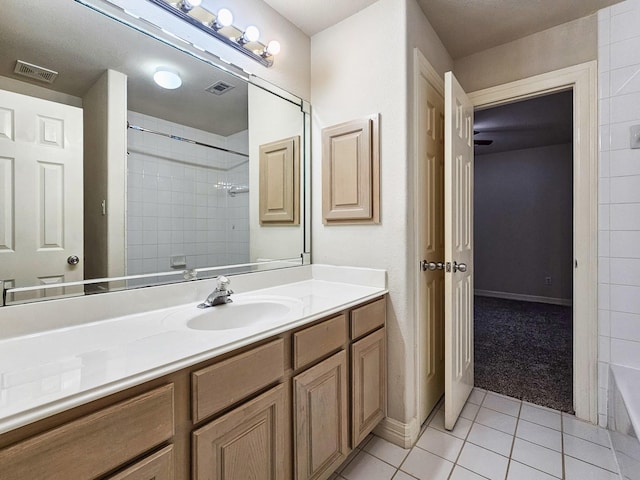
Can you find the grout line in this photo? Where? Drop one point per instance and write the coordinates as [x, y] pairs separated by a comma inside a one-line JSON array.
[[513, 441], [592, 464], [615, 455], [383, 460], [466, 437], [466, 440], [503, 413]]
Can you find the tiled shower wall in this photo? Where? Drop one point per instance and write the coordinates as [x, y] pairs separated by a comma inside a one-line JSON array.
[[178, 200], [619, 191]]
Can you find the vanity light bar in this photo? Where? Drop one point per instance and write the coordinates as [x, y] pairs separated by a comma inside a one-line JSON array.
[[244, 41]]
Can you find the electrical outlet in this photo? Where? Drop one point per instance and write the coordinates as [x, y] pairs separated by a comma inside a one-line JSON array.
[[547, 280]]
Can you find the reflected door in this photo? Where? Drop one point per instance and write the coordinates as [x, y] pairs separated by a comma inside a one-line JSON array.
[[458, 248], [41, 192]]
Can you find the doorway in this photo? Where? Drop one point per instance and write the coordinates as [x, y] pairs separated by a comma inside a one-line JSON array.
[[582, 80], [523, 250]]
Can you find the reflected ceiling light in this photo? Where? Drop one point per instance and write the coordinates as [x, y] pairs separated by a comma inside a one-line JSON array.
[[188, 5], [245, 40], [167, 78]]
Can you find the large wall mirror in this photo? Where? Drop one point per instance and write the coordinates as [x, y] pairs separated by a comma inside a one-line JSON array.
[[110, 181]]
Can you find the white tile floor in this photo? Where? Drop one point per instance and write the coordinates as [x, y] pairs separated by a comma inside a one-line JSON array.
[[496, 437]]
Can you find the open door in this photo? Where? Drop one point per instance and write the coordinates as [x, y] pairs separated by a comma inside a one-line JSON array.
[[458, 249]]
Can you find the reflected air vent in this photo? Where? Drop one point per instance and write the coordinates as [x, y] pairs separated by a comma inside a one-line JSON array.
[[33, 71], [219, 88]]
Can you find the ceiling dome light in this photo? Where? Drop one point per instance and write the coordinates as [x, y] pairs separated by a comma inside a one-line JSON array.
[[167, 78], [224, 18]]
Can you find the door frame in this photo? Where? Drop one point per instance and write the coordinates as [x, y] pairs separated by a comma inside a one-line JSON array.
[[421, 68], [582, 79]]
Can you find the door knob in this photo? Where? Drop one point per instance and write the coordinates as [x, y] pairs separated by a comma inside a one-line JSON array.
[[461, 267], [431, 266], [73, 260]]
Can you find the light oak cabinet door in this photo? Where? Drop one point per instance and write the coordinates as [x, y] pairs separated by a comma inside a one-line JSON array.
[[320, 417], [241, 375], [351, 172], [279, 195], [247, 443], [159, 466], [95, 444], [369, 384]]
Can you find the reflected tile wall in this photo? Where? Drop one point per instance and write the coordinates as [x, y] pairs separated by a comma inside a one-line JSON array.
[[619, 191], [178, 201]]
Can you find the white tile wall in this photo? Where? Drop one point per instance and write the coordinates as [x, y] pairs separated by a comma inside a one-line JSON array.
[[178, 201], [619, 191]]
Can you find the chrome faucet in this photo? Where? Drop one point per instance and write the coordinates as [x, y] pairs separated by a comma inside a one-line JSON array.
[[220, 295]]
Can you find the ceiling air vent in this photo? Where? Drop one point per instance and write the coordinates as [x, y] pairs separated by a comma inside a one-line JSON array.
[[219, 88], [33, 71]]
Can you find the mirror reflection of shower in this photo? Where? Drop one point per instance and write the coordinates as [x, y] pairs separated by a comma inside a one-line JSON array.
[[183, 206]]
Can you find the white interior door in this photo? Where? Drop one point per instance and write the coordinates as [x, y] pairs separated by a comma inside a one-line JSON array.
[[41, 191], [430, 191], [458, 249]]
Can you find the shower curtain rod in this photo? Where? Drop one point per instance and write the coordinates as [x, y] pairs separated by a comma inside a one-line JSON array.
[[182, 139]]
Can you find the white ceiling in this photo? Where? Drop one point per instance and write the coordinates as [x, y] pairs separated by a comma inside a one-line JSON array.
[[537, 122], [81, 44], [313, 16], [464, 26], [470, 26]]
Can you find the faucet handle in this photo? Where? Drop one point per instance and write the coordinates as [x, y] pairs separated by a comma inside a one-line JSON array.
[[223, 283]]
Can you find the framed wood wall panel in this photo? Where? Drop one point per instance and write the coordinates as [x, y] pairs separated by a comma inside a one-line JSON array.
[[279, 195], [351, 172]]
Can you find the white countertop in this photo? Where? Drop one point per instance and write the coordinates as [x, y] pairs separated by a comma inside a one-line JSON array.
[[43, 373]]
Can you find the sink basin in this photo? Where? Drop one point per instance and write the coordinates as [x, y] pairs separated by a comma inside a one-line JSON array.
[[241, 313]]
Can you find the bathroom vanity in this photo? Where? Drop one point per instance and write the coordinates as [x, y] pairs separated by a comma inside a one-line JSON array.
[[275, 400]]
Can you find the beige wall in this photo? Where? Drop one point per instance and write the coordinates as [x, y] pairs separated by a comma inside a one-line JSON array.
[[558, 47], [24, 88], [270, 119], [421, 35], [105, 169], [351, 79]]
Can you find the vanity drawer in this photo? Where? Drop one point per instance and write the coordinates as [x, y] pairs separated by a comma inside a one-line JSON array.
[[157, 466], [367, 318], [223, 384], [93, 445], [314, 342]]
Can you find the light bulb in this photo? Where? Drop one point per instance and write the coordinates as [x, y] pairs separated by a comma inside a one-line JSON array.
[[188, 5], [167, 78], [224, 18], [251, 34], [273, 48]]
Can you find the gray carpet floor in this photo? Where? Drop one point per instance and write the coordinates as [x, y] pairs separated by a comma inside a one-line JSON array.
[[525, 350]]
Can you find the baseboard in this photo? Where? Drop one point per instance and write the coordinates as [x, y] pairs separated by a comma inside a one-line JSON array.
[[524, 298], [404, 435]]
